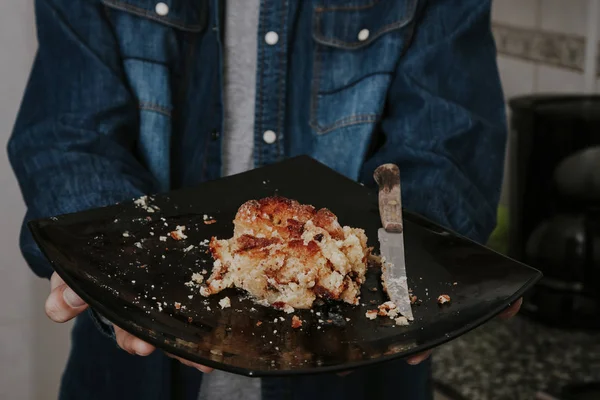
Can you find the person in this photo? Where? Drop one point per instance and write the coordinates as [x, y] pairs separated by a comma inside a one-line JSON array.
[[133, 97]]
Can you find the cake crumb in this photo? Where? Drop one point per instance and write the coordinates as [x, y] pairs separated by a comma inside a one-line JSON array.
[[177, 305], [210, 221], [190, 247], [125, 234], [259, 323], [401, 321], [225, 302], [178, 234], [371, 314], [388, 309], [443, 298], [197, 278], [162, 238], [296, 322], [288, 309]]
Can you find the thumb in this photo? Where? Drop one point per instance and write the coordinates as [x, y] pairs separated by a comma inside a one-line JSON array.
[[62, 304]]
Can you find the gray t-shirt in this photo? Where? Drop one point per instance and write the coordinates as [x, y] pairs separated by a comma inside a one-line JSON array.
[[240, 49]]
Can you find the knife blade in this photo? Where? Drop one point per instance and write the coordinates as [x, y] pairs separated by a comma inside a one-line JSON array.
[[391, 238]]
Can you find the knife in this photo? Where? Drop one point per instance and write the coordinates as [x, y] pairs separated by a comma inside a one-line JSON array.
[[391, 238]]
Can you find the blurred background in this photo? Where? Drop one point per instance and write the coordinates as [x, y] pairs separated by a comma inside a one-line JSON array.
[[549, 217]]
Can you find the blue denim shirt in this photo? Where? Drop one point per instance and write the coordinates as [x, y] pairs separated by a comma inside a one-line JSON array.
[[123, 101]]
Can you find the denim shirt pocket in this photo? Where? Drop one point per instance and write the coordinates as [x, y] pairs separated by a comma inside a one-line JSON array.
[[357, 48], [156, 41]]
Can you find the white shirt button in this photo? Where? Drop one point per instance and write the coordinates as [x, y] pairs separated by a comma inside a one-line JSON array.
[[269, 137], [363, 35], [161, 9], [271, 38]]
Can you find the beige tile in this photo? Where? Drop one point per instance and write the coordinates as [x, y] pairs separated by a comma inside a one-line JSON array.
[[518, 76], [516, 12], [558, 80], [564, 16]]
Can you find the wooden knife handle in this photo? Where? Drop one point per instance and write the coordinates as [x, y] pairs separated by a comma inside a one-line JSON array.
[[387, 177]]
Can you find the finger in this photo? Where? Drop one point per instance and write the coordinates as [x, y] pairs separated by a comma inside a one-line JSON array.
[[199, 367], [131, 344], [62, 304], [512, 310], [419, 358], [55, 281]]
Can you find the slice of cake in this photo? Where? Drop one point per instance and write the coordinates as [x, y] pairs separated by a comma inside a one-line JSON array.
[[286, 255]]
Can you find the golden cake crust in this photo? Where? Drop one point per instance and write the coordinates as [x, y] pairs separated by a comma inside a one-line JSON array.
[[287, 254]]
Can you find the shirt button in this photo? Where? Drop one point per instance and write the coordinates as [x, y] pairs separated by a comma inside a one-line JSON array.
[[271, 38], [161, 9], [363, 35], [269, 137]]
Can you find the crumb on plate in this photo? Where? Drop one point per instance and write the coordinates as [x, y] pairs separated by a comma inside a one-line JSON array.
[[388, 309], [178, 234], [296, 322], [371, 314], [225, 302]]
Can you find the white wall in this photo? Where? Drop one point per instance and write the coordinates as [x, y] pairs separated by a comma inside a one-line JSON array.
[[552, 29], [32, 349], [542, 48]]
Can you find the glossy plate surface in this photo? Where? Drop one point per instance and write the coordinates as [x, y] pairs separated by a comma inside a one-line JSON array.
[[125, 277]]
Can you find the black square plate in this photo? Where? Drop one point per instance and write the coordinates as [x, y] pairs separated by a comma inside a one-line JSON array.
[[125, 277]]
